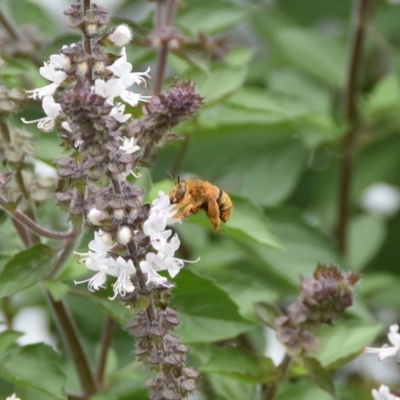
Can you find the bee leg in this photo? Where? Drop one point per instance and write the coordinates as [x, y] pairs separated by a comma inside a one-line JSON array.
[[213, 213], [186, 211]]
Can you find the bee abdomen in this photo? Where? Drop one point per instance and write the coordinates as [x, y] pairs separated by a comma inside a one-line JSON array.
[[225, 206]]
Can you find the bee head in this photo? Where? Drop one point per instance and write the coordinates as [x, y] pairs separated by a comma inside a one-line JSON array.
[[178, 191]]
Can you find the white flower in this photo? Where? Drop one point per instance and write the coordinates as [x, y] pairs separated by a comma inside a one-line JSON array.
[[387, 351], [163, 204], [49, 72], [51, 109], [110, 89], [122, 69], [383, 394], [13, 397], [118, 113], [381, 199], [129, 145], [98, 259], [60, 61], [121, 36], [164, 259], [123, 269]]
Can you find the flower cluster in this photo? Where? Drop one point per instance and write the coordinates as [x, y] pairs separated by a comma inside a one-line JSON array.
[[90, 87], [102, 258], [321, 300], [119, 79]]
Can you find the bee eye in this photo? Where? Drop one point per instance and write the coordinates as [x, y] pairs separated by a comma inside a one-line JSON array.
[[181, 192]]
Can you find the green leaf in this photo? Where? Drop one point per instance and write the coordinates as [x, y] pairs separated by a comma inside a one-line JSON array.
[[57, 289], [239, 364], [318, 55], [25, 269], [304, 247], [343, 342], [7, 338], [207, 312], [249, 221], [366, 236], [268, 178], [220, 83], [319, 375], [228, 388], [35, 366], [113, 308], [385, 95], [226, 115], [211, 18], [303, 389]]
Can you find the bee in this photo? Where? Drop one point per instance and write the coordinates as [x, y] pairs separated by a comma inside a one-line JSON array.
[[192, 195]]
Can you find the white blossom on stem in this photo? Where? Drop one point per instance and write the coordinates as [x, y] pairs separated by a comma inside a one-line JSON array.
[[51, 73], [164, 259], [129, 145], [98, 259], [383, 394], [52, 111], [118, 113], [386, 350]]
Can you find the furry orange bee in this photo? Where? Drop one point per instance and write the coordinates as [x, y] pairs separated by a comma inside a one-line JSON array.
[[192, 195]]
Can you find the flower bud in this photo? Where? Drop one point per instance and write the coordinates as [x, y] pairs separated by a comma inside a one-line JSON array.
[[95, 216], [124, 235], [121, 36]]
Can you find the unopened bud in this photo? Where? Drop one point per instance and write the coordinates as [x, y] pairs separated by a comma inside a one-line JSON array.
[[124, 235], [95, 216], [121, 36]]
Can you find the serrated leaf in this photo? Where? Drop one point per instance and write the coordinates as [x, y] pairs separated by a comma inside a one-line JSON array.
[[207, 312], [25, 269], [35, 366], [319, 375]]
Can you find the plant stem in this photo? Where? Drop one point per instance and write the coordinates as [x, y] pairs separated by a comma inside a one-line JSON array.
[[24, 220], [360, 19], [283, 369], [164, 18], [87, 44], [72, 339], [105, 344]]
